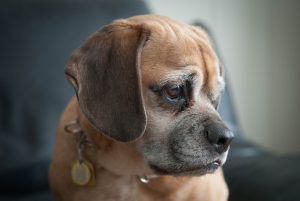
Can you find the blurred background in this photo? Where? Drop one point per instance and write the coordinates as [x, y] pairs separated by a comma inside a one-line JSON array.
[[257, 41]]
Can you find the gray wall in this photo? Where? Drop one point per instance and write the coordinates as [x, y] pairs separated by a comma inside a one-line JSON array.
[[259, 41]]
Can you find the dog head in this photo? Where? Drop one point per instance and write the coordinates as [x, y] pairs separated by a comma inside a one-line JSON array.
[[154, 83]]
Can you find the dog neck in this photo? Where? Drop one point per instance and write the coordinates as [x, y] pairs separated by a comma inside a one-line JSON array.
[[144, 185], [83, 141]]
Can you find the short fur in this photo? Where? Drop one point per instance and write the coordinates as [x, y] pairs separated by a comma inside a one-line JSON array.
[[131, 130]]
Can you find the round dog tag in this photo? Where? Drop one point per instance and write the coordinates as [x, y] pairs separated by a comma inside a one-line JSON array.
[[82, 173]]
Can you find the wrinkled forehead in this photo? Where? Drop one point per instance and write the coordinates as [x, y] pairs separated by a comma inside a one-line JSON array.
[[174, 49], [171, 49]]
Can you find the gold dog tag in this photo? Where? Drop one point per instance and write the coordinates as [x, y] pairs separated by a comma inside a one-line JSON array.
[[82, 173]]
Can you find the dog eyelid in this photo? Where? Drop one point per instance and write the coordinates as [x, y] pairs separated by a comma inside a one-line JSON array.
[[176, 95], [179, 80], [174, 92]]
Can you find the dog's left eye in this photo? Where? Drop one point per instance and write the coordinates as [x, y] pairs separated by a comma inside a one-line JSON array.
[[175, 96], [174, 92]]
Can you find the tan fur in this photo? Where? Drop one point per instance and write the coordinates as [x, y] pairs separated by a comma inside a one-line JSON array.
[[119, 182], [117, 164]]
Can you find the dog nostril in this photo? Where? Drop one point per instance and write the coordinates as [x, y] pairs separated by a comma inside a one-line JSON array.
[[222, 141], [212, 137], [220, 138]]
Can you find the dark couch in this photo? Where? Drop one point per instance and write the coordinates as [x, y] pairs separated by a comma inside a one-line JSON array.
[[37, 37]]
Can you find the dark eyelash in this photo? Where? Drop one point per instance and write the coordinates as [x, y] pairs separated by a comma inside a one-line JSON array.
[[187, 81], [180, 105]]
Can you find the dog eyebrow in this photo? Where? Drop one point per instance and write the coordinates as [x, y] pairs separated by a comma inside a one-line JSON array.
[[178, 78], [175, 80]]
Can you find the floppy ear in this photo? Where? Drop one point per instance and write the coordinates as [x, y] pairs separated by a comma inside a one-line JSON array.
[[217, 102], [222, 74], [105, 73], [205, 32]]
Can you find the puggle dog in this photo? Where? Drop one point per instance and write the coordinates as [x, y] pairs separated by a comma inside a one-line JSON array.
[[144, 125]]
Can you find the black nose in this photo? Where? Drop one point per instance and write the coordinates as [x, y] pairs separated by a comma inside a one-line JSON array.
[[219, 136]]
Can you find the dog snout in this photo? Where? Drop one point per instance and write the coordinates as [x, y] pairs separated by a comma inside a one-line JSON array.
[[219, 136]]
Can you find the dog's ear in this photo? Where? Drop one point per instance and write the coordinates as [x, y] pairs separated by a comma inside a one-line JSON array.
[[202, 29], [222, 70], [222, 74], [105, 73]]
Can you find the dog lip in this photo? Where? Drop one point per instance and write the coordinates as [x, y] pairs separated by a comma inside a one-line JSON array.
[[217, 163], [199, 170], [159, 170]]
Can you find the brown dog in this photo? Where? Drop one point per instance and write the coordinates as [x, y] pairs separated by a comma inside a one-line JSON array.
[[147, 91]]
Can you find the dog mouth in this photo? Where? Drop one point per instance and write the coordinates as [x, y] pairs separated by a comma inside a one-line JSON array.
[[188, 171]]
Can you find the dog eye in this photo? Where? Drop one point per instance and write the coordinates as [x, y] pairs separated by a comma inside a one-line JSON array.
[[174, 95], [174, 92]]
